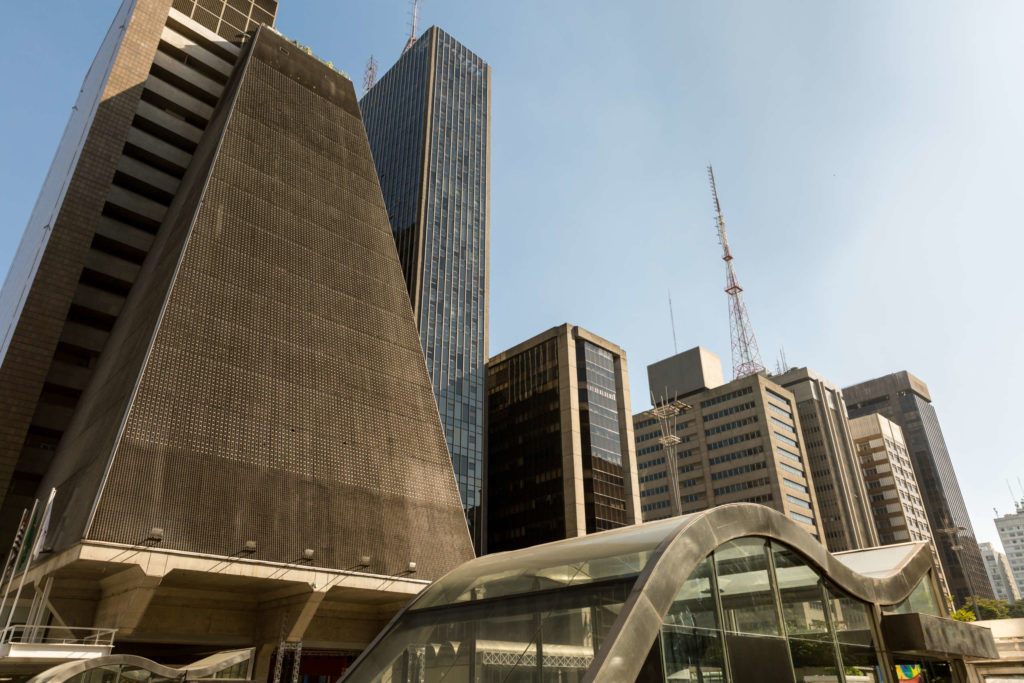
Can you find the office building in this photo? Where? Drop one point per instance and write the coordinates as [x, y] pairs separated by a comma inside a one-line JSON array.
[[560, 440], [1011, 534], [896, 504], [429, 124], [732, 442], [904, 399], [246, 448], [839, 488], [1000, 575]]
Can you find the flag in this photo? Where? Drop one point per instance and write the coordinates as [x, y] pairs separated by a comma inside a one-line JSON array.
[[44, 525]]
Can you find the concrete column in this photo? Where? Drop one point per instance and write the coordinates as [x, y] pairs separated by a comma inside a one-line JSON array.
[[124, 600]]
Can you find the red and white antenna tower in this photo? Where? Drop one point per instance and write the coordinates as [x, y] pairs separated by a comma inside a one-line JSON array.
[[746, 357], [370, 75], [414, 20]]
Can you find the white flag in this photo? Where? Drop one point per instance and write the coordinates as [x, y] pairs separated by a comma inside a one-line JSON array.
[[41, 535]]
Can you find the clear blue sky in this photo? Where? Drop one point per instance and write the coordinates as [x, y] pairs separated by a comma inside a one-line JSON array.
[[868, 154]]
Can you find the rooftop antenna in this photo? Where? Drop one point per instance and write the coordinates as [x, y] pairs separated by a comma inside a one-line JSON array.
[[746, 357], [414, 20], [370, 75], [672, 319], [782, 364]]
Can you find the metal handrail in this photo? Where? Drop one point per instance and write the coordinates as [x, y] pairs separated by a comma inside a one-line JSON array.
[[57, 635]]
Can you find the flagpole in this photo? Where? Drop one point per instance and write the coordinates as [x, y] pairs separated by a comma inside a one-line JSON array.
[[11, 556], [21, 585]]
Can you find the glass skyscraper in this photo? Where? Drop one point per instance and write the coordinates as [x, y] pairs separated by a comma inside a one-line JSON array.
[[428, 121]]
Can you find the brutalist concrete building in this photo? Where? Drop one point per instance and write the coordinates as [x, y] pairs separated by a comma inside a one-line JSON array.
[[904, 399], [211, 355], [561, 440]]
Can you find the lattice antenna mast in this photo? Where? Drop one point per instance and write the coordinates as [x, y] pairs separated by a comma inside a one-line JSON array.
[[746, 357], [370, 75], [414, 20]]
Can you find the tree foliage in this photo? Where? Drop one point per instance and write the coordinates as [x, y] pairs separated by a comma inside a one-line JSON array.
[[963, 614]]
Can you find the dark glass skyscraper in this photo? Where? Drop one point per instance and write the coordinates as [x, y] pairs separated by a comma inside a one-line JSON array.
[[428, 121], [905, 400]]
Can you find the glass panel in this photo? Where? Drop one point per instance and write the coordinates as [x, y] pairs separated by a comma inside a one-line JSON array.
[[534, 639], [690, 639], [615, 554], [748, 605], [803, 612], [750, 617], [851, 618], [921, 599], [860, 664]]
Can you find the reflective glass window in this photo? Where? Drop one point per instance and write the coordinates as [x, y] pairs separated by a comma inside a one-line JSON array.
[[803, 612], [691, 641], [851, 620], [921, 599], [750, 616]]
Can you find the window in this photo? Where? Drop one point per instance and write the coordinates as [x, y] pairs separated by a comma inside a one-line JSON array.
[[785, 439], [794, 485], [796, 501], [801, 518]]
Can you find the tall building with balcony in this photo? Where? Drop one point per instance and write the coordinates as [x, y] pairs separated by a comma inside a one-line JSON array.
[[896, 504], [1011, 534], [429, 124], [560, 440], [839, 488], [904, 399], [1000, 575], [209, 354], [706, 443]]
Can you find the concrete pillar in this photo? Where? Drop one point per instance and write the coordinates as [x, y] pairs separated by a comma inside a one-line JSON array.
[[125, 599]]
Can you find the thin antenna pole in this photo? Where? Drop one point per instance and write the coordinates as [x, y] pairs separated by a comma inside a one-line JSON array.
[[746, 356], [370, 75], [672, 319], [413, 25]]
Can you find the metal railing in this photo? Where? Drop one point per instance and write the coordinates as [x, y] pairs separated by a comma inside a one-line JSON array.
[[57, 635]]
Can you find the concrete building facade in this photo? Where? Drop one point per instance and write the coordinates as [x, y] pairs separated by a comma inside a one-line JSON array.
[[247, 448], [735, 442], [1011, 534], [562, 462], [904, 399], [429, 124], [1000, 575], [842, 498]]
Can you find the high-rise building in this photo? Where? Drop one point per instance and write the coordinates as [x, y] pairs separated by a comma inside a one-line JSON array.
[[1000, 575], [212, 358], [560, 440], [888, 475], [1011, 534], [904, 399], [133, 131], [734, 442], [429, 121], [842, 498]]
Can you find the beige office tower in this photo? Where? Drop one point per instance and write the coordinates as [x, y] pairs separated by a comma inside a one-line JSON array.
[[729, 443], [999, 573], [838, 485], [895, 497]]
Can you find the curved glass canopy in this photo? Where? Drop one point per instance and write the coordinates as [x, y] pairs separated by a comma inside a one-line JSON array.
[[737, 593]]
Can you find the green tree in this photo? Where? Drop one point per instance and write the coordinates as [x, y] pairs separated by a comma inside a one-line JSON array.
[[963, 614], [993, 609], [1016, 609]]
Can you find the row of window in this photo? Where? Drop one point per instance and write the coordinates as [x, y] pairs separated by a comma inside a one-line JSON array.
[[731, 425], [653, 492], [728, 411], [726, 397], [776, 421], [750, 467], [785, 439], [655, 506], [653, 476], [743, 485], [734, 439], [719, 459], [650, 463], [780, 411]]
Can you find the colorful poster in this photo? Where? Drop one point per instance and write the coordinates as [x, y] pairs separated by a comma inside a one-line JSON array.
[[909, 672]]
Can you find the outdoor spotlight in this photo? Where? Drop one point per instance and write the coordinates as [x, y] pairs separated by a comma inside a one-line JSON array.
[[412, 567], [307, 554], [156, 534], [249, 547]]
